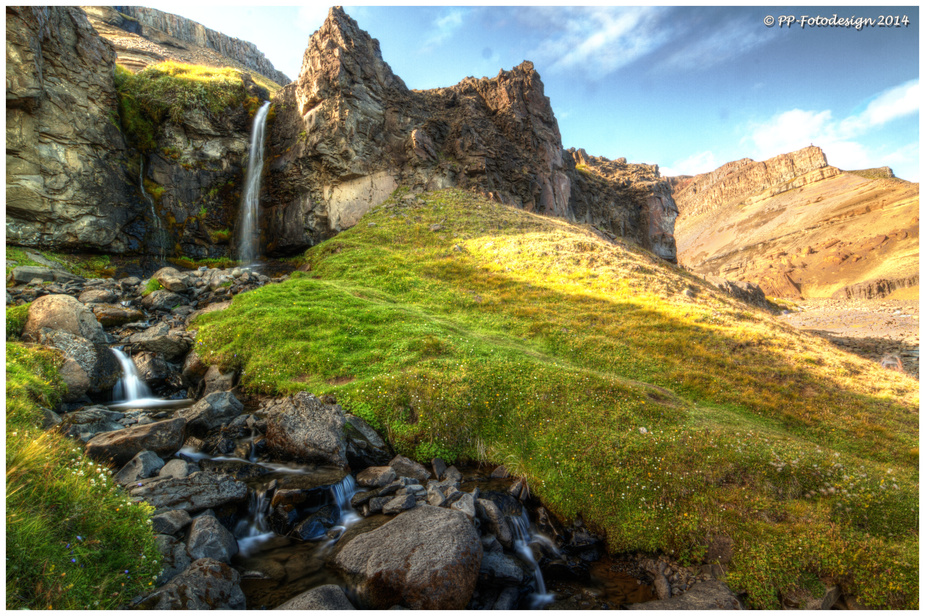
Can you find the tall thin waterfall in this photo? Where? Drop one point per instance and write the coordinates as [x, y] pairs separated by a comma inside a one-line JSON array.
[[247, 225], [159, 233], [130, 386]]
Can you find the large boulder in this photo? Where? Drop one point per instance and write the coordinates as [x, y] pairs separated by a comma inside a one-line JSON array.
[[426, 558], [209, 539], [171, 279], [164, 438], [111, 315], [75, 380], [195, 492], [90, 421], [327, 597], [25, 274], [406, 467], [211, 412], [162, 299], [63, 313], [96, 360], [709, 595], [364, 446], [206, 584], [161, 339], [304, 428], [145, 464]]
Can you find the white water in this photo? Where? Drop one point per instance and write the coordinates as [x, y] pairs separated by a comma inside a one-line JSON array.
[[247, 225], [130, 387], [159, 232], [520, 526]]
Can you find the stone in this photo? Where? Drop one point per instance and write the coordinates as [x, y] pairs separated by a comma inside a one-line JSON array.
[[145, 464], [194, 369], [424, 558], [174, 557], [439, 467], [802, 599], [50, 419], [28, 273], [499, 568], [75, 380], [303, 428], [152, 368], [327, 597], [209, 539], [496, 522], [170, 522], [171, 279], [375, 476], [213, 411], [662, 587], [364, 446], [177, 469], [406, 467], [90, 421], [435, 496], [162, 299], [164, 438], [215, 380], [195, 492], [160, 339], [97, 296], [97, 360], [709, 595], [206, 584], [65, 314], [113, 316], [399, 503], [500, 472], [317, 524], [466, 504]]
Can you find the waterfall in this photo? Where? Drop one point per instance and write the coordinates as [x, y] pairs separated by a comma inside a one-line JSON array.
[[255, 531], [343, 492], [247, 226], [131, 386], [159, 233], [520, 526]]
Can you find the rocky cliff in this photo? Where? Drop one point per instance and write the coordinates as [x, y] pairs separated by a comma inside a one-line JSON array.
[[172, 31], [348, 132], [800, 228], [68, 185]]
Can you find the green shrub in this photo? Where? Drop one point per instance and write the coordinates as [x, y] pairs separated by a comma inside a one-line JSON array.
[[152, 286]]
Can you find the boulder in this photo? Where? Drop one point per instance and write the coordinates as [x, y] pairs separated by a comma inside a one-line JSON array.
[[406, 467], [364, 446], [495, 521], [466, 504], [211, 412], [303, 428], [710, 595], [195, 492], [317, 524], [28, 273], [90, 421], [173, 557], [162, 299], [375, 476], [170, 522], [327, 597], [398, 504], [113, 316], [425, 558], [175, 468], [160, 339], [63, 313], [164, 438], [209, 539], [206, 584], [97, 360], [193, 369], [75, 380], [97, 296], [499, 568], [215, 380], [171, 279], [145, 464], [152, 368]]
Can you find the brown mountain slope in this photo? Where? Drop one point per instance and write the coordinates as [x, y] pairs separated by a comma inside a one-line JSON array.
[[822, 233]]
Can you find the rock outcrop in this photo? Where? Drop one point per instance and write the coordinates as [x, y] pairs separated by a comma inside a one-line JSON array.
[[67, 182], [348, 132], [172, 34]]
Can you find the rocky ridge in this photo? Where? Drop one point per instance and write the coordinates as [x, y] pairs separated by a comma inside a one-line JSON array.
[[348, 132], [173, 37]]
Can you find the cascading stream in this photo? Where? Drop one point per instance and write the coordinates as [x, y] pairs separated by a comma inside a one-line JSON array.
[[520, 526], [248, 238], [159, 232], [130, 387]]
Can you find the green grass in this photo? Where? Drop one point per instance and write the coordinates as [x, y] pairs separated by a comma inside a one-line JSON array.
[[524, 340], [219, 262], [73, 539], [86, 265], [16, 317], [152, 286]]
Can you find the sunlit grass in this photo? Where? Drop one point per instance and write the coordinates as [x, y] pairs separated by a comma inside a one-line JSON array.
[[467, 329]]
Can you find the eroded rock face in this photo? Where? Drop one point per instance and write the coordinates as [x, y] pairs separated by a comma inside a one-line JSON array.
[[426, 558], [67, 184]]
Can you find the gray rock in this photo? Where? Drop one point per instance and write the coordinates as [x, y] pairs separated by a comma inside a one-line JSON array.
[[499, 568], [364, 446], [164, 438], [145, 464], [195, 492], [174, 557], [171, 279], [206, 584], [96, 360], [162, 300], [213, 411], [439, 467], [152, 368], [303, 428], [425, 558], [90, 421], [434, 496], [63, 313], [160, 339], [490, 544], [176, 469], [327, 597], [662, 587], [710, 595], [375, 476], [495, 520], [466, 504], [111, 316], [406, 467], [209, 539], [398, 504], [50, 419], [194, 369], [170, 522], [75, 380], [97, 296], [216, 380], [507, 599]]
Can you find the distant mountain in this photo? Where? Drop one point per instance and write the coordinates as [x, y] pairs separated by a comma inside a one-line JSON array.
[[799, 227], [143, 36]]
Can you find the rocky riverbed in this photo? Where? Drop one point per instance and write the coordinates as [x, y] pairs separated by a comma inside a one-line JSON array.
[[293, 503]]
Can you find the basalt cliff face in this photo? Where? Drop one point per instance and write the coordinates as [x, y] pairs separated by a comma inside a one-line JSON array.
[[348, 132], [143, 36], [68, 184], [800, 228]]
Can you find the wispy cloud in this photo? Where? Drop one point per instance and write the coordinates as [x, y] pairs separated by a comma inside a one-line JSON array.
[[726, 41], [444, 27], [702, 162], [840, 138]]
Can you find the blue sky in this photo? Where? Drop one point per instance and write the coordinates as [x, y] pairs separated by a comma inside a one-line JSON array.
[[688, 88]]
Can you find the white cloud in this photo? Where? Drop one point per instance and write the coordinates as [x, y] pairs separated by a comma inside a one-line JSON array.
[[444, 27], [310, 17], [703, 162], [726, 42]]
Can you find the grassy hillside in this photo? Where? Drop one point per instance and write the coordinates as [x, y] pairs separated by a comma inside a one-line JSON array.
[[464, 328]]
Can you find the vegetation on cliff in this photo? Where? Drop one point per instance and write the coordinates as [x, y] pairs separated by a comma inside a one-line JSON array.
[[467, 329], [73, 539]]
